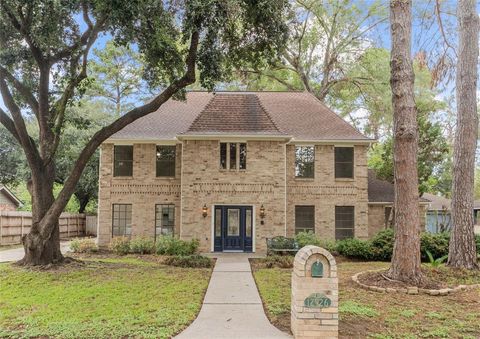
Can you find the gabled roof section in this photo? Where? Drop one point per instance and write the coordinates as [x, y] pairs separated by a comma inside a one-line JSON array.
[[296, 115], [4, 190], [234, 113]]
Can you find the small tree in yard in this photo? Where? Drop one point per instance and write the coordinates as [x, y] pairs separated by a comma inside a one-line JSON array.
[[462, 251], [44, 58], [406, 252]]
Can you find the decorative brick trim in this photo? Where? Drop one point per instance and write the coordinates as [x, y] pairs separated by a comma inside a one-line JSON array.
[[412, 290]]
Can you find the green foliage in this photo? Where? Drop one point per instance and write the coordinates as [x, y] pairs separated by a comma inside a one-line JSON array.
[[85, 245], [280, 261], [193, 261], [435, 243], [477, 242], [354, 248], [142, 245], [354, 308], [435, 262], [306, 238], [382, 245], [168, 245], [120, 245]]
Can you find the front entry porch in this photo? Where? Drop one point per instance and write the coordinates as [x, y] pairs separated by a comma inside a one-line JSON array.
[[233, 228]]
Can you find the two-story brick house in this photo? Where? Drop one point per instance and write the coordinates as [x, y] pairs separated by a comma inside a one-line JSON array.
[[234, 168]]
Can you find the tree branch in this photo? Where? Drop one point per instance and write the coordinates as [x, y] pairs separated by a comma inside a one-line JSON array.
[[104, 133], [21, 88], [9, 124]]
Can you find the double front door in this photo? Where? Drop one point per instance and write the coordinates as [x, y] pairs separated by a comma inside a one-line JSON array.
[[233, 228]]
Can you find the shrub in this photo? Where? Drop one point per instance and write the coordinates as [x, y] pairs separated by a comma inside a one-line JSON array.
[[83, 245], [435, 243], [280, 261], [477, 241], [382, 245], [142, 245], [194, 261], [168, 245], [120, 245], [307, 238], [355, 248]]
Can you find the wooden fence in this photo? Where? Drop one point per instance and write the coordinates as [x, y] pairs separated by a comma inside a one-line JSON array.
[[91, 225], [13, 225]]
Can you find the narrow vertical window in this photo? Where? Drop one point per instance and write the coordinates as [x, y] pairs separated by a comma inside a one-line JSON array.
[[344, 162], [121, 219], [304, 161], [122, 161], [344, 222], [248, 223], [218, 222], [223, 155], [164, 219], [243, 156], [165, 161], [233, 156]]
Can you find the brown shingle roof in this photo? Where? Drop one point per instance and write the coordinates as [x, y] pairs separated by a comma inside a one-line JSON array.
[[229, 113], [297, 114], [381, 190]]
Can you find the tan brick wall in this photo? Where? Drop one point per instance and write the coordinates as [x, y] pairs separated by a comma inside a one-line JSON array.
[[263, 182], [143, 190], [376, 218], [325, 192]]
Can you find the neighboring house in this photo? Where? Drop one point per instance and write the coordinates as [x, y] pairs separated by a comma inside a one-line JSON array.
[[8, 200], [234, 168], [439, 214], [381, 196]]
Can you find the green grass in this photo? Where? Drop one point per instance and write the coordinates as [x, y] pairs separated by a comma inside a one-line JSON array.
[[353, 308], [105, 298]]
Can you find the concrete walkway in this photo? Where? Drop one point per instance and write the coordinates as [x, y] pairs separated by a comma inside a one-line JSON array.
[[232, 307], [16, 254]]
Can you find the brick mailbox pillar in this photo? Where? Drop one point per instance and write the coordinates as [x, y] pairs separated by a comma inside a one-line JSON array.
[[314, 312]]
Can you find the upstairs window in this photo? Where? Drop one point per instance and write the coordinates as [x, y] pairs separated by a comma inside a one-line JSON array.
[[122, 161], [344, 222], [233, 156], [344, 162], [304, 219], [304, 161], [165, 161]]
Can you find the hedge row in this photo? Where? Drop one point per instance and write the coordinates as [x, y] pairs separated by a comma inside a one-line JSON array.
[[165, 245]]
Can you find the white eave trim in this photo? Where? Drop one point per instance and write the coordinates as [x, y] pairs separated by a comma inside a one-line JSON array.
[[141, 141], [12, 196]]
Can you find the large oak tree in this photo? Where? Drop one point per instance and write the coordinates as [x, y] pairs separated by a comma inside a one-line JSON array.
[[462, 251], [44, 56], [406, 252]]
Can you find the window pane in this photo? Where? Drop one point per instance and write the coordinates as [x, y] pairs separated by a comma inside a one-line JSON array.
[[218, 222], [121, 219], [243, 156], [164, 219], [165, 161], [248, 223], [223, 155], [233, 156], [304, 161], [344, 162], [304, 219], [233, 228], [344, 222], [122, 161]]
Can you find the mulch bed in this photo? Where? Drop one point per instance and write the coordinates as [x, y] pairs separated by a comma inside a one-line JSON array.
[[380, 279]]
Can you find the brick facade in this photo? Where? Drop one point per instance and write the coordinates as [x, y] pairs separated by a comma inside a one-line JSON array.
[[268, 180]]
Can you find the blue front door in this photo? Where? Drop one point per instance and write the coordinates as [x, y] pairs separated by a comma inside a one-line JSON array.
[[233, 228]]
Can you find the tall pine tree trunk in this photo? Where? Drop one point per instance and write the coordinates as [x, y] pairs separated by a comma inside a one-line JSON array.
[[462, 252], [406, 253]]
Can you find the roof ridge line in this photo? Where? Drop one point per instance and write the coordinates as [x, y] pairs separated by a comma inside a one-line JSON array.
[[200, 113], [267, 113]]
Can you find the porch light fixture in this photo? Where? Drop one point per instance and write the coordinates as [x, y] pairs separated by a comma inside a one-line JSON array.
[[205, 210], [262, 212]]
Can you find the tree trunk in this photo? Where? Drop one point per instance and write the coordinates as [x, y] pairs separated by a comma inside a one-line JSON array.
[[406, 252], [42, 244], [462, 252], [83, 200]]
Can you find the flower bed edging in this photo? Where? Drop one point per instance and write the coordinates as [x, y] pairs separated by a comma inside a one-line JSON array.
[[411, 290]]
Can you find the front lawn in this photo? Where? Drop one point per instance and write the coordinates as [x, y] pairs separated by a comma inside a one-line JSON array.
[[367, 314], [100, 298]]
